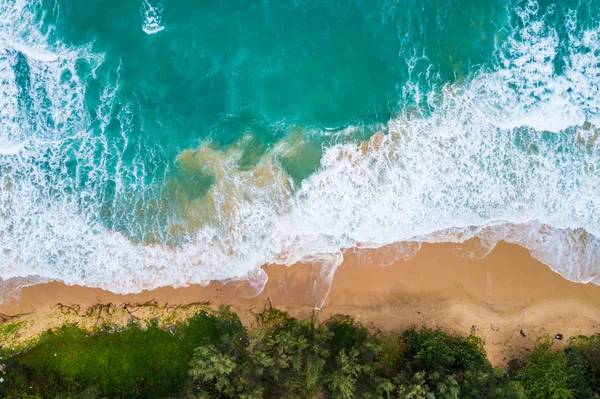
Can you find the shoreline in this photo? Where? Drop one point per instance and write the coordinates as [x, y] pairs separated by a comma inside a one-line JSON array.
[[495, 297]]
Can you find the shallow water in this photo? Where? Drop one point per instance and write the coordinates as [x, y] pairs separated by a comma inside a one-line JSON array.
[[148, 143]]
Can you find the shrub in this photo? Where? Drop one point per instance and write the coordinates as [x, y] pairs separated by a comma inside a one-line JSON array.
[[127, 363], [584, 353], [437, 364], [548, 374], [212, 355]]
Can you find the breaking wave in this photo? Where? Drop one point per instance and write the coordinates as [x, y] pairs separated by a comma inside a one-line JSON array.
[[152, 18], [510, 153]]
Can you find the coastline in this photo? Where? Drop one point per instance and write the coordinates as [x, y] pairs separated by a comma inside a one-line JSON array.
[[495, 297]]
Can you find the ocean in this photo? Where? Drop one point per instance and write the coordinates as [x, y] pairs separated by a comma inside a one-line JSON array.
[[146, 143]]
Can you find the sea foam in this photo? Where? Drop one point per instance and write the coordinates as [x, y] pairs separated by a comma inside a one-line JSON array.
[[152, 18], [501, 156]]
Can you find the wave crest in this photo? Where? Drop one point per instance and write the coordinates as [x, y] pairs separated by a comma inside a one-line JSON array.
[[509, 154]]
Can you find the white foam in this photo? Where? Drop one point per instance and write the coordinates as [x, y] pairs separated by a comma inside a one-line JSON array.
[[34, 53], [499, 156], [7, 148], [10, 130], [11, 288], [152, 18]]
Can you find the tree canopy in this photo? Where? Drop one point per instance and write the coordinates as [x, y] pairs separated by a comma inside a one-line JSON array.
[[212, 355]]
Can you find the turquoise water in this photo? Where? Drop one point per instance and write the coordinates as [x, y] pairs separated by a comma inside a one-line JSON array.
[[147, 143]]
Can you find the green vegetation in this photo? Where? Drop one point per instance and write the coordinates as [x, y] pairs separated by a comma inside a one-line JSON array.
[[126, 363], [212, 355], [570, 374], [8, 329]]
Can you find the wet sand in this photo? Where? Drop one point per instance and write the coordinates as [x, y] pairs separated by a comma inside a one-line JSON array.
[[495, 297]]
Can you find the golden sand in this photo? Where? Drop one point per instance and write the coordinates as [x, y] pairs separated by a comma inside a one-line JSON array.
[[496, 297]]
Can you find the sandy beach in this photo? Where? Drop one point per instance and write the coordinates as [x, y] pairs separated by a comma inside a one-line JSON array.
[[496, 297]]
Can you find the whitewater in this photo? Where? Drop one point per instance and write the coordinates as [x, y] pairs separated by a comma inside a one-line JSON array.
[[510, 151]]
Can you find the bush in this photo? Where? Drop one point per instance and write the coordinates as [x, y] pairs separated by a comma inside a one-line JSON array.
[[214, 356], [282, 357], [441, 365], [127, 363], [584, 353], [550, 374]]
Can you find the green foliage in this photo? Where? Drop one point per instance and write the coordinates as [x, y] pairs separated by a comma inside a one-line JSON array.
[[352, 369], [128, 363], [212, 356], [7, 330], [213, 370], [550, 374], [342, 379], [89, 393], [287, 355], [282, 357], [546, 374], [390, 356], [440, 365], [435, 350], [584, 353], [416, 388], [490, 383]]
